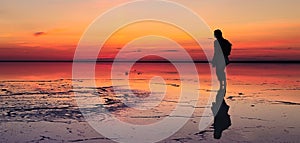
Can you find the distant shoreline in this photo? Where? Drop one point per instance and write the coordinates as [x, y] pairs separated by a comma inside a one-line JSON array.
[[68, 61]]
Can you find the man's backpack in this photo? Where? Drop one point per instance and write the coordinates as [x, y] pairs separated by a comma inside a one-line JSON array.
[[226, 47]]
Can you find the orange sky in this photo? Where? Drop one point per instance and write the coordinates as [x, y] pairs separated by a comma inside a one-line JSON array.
[[50, 30]]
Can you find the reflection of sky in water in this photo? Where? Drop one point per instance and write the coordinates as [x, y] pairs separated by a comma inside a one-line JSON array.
[[263, 98], [280, 81], [257, 79]]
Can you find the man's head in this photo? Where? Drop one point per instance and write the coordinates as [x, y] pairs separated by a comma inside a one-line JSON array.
[[218, 33]]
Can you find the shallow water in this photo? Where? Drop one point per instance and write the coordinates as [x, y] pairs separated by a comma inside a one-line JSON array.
[[263, 98]]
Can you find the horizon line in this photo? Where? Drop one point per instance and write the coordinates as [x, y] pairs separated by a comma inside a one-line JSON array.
[[149, 61]]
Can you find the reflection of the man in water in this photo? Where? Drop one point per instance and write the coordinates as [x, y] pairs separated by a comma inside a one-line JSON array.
[[221, 117]]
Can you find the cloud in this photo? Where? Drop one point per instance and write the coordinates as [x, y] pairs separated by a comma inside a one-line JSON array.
[[16, 52], [40, 33], [169, 50]]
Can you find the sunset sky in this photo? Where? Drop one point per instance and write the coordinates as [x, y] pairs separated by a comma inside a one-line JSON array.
[[51, 29]]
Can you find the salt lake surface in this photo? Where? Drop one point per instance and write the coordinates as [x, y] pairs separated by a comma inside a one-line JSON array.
[[39, 103]]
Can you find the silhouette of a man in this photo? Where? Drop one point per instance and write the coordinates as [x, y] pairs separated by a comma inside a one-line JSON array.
[[222, 49]]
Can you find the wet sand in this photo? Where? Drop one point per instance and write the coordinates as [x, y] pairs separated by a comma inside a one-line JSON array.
[[264, 105]]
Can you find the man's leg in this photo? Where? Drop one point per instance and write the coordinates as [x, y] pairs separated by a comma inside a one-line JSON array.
[[221, 76]]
